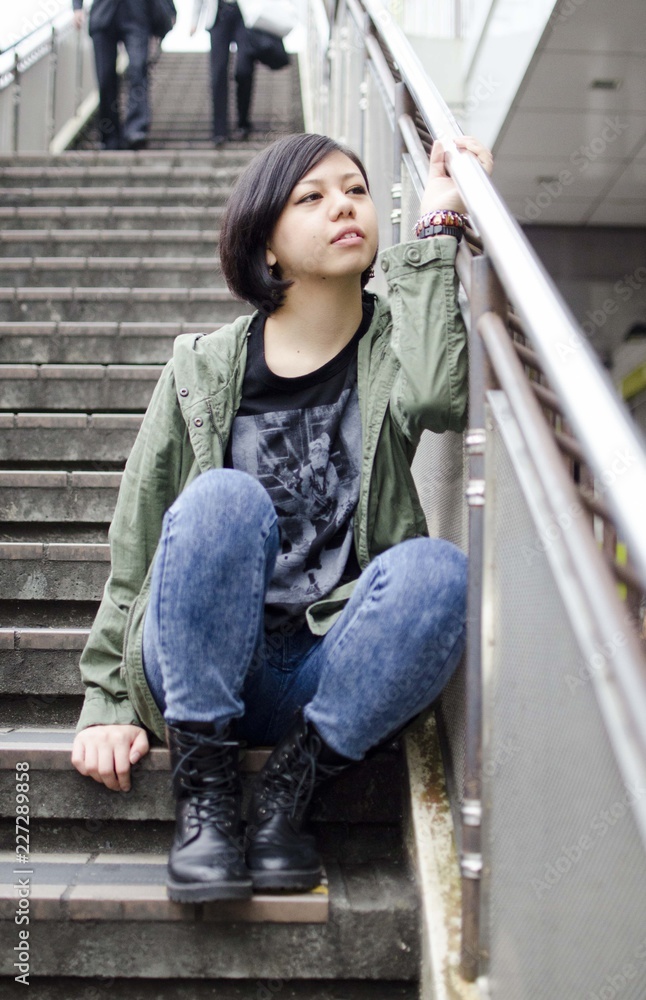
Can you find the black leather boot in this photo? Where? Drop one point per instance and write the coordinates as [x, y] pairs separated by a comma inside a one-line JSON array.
[[207, 857], [280, 855]]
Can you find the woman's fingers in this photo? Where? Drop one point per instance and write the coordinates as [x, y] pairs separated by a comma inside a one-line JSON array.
[[105, 753], [140, 747], [474, 145]]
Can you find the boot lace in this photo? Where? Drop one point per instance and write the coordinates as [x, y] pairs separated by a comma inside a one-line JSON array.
[[207, 774], [293, 777]]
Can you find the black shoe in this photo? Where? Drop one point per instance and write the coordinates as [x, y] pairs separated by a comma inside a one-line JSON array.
[[242, 133], [135, 142], [279, 854], [207, 856], [219, 141]]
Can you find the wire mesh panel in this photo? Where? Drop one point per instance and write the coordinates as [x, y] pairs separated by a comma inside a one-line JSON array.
[[565, 870]]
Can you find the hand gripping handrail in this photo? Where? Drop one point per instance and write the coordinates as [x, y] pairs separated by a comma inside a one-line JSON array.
[[603, 426]]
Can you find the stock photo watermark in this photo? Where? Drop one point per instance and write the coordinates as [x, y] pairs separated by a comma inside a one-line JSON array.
[[572, 854], [616, 981], [22, 885], [579, 160]]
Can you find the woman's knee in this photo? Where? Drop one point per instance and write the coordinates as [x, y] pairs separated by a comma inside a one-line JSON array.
[[220, 500], [429, 565]]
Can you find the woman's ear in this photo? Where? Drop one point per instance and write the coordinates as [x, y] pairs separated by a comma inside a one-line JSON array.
[[271, 257]]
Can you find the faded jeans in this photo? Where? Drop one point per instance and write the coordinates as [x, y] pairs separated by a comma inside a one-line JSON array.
[[208, 658]]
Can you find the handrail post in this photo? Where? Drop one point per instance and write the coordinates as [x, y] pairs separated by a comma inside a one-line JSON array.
[[363, 88], [53, 72], [403, 106], [487, 295], [16, 102]]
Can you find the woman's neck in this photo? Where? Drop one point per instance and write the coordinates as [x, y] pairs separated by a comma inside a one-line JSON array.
[[315, 322]]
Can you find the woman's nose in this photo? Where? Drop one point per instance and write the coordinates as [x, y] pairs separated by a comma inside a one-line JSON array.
[[342, 205]]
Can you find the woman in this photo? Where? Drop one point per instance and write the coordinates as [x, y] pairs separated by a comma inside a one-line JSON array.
[[271, 579]]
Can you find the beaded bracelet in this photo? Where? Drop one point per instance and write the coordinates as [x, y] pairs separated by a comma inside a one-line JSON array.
[[444, 217]]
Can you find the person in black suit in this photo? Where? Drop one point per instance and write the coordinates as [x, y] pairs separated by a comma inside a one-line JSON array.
[[224, 22], [113, 21]]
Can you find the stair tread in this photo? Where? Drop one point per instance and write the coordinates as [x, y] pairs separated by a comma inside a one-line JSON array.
[[133, 887], [47, 748], [43, 638]]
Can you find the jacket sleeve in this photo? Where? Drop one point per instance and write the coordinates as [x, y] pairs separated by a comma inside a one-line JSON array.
[[428, 337], [151, 481]]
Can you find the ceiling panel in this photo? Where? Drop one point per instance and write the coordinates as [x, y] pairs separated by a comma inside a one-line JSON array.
[[583, 136], [562, 80], [561, 176], [599, 26], [631, 183], [613, 212]]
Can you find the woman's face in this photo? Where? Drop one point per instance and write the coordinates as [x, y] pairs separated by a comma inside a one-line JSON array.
[[328, 228]]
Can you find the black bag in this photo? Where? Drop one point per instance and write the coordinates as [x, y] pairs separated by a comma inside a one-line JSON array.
[[267, 49], [161, 17]]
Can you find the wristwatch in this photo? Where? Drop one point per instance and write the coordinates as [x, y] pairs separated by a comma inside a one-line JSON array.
[[440, 231]]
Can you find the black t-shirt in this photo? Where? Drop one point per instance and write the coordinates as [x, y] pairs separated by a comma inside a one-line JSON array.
[[301, 439]]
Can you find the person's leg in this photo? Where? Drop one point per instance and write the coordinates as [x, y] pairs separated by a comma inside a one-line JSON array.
[[105, 58], [222, 34], [244, 78], [137, 122], [388, 656], [204, 620], [392, 650], [202, 628]]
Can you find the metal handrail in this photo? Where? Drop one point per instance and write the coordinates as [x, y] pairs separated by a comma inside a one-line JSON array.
[[41, 36], [577, 412], [602, 424]]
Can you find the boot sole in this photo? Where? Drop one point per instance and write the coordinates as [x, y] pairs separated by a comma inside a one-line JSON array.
[[181, 892], [297, 881]]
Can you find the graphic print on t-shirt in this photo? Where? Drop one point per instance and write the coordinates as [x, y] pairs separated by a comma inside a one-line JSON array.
[[307, 461]]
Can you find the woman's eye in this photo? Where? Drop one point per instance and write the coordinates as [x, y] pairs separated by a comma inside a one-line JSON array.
[[312, 196], [358, 189]]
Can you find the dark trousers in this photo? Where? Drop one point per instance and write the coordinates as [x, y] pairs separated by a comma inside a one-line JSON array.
[[229, 27], [135, 36]]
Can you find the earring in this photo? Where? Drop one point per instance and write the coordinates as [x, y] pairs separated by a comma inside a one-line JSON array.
[[371, 273]]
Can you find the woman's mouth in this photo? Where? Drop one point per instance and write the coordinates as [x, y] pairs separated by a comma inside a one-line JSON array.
[[350, 236]]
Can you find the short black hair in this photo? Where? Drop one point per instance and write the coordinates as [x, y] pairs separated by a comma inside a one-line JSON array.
[[254, 207]]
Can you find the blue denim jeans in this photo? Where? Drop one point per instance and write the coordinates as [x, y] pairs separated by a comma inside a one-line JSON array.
[[208, 658]]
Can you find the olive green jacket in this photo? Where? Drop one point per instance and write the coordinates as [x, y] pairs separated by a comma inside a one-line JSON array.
[[412, 375]]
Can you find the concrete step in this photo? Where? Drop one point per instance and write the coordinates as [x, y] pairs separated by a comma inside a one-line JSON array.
[[109, 242], [132, 887], [77, 387], [370, 792], [104, 343], [62, 988], [53, 571], [41, 661], [60, 497], [120, 175], [231, 156], [109, 915], [194, 305], [111, 272], [97, 217], [73, 437], [347, 843], [196, 195]]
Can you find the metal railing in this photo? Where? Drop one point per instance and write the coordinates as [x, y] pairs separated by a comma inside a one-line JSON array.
[[542, 412], [47, 87]]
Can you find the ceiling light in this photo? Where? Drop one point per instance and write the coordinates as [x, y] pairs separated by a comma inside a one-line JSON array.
[[605, 84]]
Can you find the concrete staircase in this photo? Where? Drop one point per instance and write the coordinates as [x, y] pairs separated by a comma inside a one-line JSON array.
[[107, 257]]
